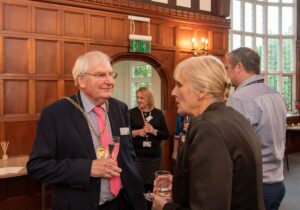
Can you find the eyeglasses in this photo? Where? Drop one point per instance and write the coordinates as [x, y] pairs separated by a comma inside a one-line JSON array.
[[103, 76]]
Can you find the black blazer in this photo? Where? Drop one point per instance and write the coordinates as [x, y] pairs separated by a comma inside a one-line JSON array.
[[63, 152], [220, 167]]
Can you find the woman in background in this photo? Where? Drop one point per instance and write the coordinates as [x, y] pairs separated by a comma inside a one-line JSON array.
[[148, 127], [220, 166]]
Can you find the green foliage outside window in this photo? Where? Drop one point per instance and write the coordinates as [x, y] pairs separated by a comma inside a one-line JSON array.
[[273, 81], [287, 59], [142, 71], [287, 91], [273, 55]]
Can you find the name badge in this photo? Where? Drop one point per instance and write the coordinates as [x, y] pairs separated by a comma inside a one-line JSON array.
[[149, 118], [124, 131], [146, 143]]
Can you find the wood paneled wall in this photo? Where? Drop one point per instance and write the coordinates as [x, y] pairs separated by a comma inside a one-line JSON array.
[[40, 42]]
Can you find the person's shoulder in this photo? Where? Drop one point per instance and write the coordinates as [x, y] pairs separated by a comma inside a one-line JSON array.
[[59, 107], [60, 103], [114, 101], [135, 109], [156, 110]]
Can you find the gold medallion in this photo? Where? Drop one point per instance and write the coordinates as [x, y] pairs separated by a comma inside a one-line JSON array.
[[101, 152]]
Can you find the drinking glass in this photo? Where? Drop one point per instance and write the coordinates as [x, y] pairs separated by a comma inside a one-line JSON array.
[[163, 184], [114, 146]]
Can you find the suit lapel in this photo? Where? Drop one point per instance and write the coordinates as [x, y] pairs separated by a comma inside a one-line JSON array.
[[82, 127]]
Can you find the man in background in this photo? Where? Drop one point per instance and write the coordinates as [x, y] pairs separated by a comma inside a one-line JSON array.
[[266, 111]]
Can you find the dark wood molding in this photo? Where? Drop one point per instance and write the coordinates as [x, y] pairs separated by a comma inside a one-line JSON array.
[[142, 8]]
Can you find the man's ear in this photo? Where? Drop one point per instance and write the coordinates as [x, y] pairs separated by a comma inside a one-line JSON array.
[[239, 67], [81, 81]]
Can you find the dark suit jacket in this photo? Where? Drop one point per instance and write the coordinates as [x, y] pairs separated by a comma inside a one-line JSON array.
[[220, 167], [63, 152]]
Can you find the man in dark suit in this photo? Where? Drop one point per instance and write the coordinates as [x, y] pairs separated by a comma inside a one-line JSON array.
[[69, 150]]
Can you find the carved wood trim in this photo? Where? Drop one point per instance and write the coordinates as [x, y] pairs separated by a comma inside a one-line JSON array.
[[141, 8]]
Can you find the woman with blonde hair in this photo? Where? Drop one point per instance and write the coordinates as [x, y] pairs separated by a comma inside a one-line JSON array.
[[148, 128], [220, 166]]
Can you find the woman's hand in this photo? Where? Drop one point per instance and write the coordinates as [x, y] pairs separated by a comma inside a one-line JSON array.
[[148, 128], [139, 132], [158, 202]]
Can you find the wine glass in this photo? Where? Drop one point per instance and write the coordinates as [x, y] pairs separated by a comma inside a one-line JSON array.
[[114, 146]]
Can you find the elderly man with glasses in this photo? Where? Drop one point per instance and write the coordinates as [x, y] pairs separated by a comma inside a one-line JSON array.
[[74, 148]]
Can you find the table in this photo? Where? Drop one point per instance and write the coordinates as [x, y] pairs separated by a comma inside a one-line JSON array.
[[292, 140], [14, 162], [20, 162], [293, 128]]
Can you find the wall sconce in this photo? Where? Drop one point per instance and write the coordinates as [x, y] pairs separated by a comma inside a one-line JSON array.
[[203, 49]]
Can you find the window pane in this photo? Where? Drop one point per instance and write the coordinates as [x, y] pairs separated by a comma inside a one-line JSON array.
[[287, 91], [134, 87], [273, 0], [236, 15], [260, 51], [287, 56], [142, 71], [259, 19], [287, 20], [236, 41], [184, 3], [287, 1], [273, 81], [248, 17], [273, 55], [248, 41], [272, 20]]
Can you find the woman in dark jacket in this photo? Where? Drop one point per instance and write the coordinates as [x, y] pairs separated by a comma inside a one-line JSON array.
[[220, 167]]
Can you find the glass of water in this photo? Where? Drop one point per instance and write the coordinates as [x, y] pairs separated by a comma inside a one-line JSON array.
[[163, 184]]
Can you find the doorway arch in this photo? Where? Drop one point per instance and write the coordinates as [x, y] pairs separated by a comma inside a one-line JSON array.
[[147, 58]]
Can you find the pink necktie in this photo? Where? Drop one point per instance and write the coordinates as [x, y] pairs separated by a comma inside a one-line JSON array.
[[115, 181]]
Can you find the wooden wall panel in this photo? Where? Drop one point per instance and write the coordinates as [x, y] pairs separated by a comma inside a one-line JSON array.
[[169, 35], [40, 41], [16, 48], [218, 42], [20, 136], [185, 37], [74, 24], [15, 97], [70, 88], [109, 50], [16, 17], [98, 27], [71, 52], [46, 57], [46, 93], [46, 21], [154, 30], [117, 29]]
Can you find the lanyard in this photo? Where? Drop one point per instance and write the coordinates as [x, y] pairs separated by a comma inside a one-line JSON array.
[[256, 81], [144, 117]]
